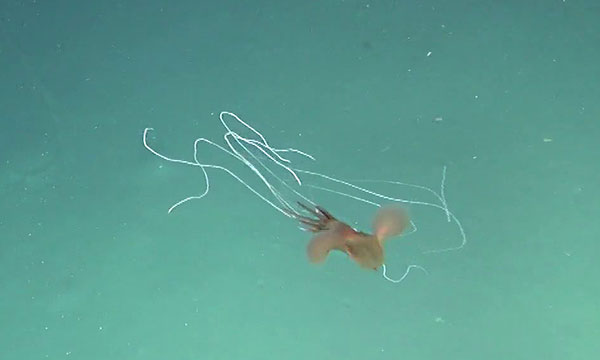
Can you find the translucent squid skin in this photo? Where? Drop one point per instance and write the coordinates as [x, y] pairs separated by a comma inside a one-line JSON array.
[[331, 234]]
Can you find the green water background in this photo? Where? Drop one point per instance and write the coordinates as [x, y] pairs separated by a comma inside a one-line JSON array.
[[503, 93]]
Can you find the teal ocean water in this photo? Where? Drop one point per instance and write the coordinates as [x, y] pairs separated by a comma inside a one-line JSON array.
[[501, 97]]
